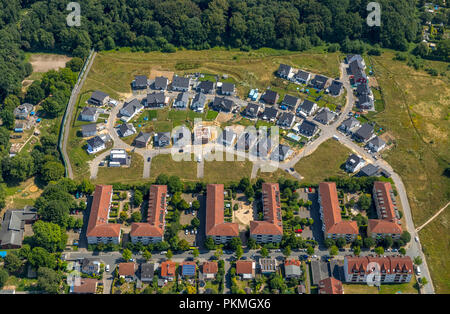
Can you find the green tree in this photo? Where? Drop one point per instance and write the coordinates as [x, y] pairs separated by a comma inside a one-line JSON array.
[[340, 242], [40, 257], [364, 202], [310, 250], [49, 236], [379, 250], [169, 254], [209, 243], [418, 260], [49, 280], [12, 262], [52, 171], [334, 250], [147, 255], [3, 277], [356, 250], [402, 251], [196, 205], [138, 198], [264, 252], [251, 244], [195, 252], [195, 222], [369, 242], [218, 253], [183, 245], [75, 64], [86, 187], [56, 211], [329, 243], [287, 251], [126, 254], [123, 216], [239, 252], [136, 216]]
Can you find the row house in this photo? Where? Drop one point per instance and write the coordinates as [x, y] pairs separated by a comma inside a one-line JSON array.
[[269, 230], [99, 230], [152, 231], [216, 227], [332, 224]]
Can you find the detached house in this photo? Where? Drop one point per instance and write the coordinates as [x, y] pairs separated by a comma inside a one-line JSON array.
[[168, 269], [319, 82], [330, 285], [88, 130], [251, 111], [206, 87], [281, 153], [23, 111], [285, 71], [267, 265], [126, 129], [127, 271], [162, 139], [286, 120], [290, 102], [148, 272], [354, 163], [325, 116], [335, 88], [292, 269], [152, 231], [365, 102], [209, 270], [349, 125], [307, 107], [182, 100], [130, 109], [223, 104], [245, 269], [364, 133], [161, 83], [333, 225], [85, 286], [215, 227], [376, 144], [270, 114], [156, 100], [140, 82], [302, 77], [89, 114], [142, 139], [199, 102], [180, 83], [308, 128], [95, 145], [188, 269], [13, 227], [98, 229], [227, 89], [98, 98], [270, 97], [270, 230]]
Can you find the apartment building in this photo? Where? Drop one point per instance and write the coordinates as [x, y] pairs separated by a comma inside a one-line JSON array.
[[152, 231]]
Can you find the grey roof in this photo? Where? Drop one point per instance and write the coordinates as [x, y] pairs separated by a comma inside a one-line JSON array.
[[89, 111], [308, 126], [13, 225], [350, 123], [156, 98], [269, 96], [354, 160], [123, 128], [377, 142], [148, 270], [199, 100], [307, 105], [142, 137], [354, 57], [161, 82], [325, 116], [23, 109], [319, 271], [206, 86], [180, 81], [365, 99], [292, 270], [335, 87], [270, 113], [96, 141], [163, 136], [290, 101], [222, 103], [99, 96], [140, 80], [286, 118], [319, 81], [88, 128], [369, 170], [132, 106], [365, 131], [268, 264], [183, 97], [280, 153], [363, 89], [227, 87], [302, 75], [251, 110], [284, 69]]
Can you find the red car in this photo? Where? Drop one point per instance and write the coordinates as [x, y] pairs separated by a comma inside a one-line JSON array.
[[310, 190], [298, 230]]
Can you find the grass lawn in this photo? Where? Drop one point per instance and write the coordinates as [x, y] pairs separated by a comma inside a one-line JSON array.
[[405, 288], [122, 174], [164, 164], [226, 171], [273, 176], [325, 162], [416, 114]]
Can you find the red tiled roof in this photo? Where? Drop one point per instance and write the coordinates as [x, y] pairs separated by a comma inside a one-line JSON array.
[[332, 212], [154, 227], [210, 267], [168, 269], [244, 267], [87, 285], [127, 269], [389, 264], [272, 223], [383, 226], [292, 262], [330, 286], [384, 189], [98, 219], [215, 225]]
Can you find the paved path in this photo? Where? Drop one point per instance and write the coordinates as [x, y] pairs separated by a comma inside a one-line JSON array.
[[69, 113]]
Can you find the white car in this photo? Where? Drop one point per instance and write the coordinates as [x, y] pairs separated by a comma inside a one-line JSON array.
[[186, 231], [192, 231], [416, 238], [195, 231], [107, 268]]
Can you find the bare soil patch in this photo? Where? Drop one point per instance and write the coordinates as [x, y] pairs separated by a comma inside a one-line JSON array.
[[156, 73], [46, 62]]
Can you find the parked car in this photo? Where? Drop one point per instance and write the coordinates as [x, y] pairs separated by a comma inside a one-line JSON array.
[[416, 238], [244, 257], [107, 267], [192, 231], [186, 231], [195, 231], [149, 158]]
